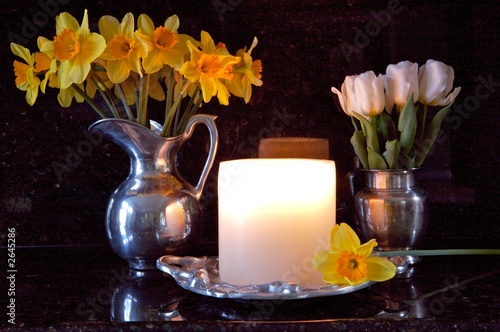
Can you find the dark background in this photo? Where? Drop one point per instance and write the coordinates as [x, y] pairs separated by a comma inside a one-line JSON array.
[[305, 47]]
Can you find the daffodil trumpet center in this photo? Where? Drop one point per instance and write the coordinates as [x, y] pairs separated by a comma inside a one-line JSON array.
[[120, 47], [66, 45], [209, 65], [352, 266], [164, 39]]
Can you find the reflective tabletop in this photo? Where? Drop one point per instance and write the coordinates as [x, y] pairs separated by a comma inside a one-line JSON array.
[[90, 288]]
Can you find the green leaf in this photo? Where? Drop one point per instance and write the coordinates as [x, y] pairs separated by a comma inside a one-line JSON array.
[[431, 132], [382, 124], [358, 142], [407, 124], [371, 133], [405, 161], [375, 160], [391, 153]]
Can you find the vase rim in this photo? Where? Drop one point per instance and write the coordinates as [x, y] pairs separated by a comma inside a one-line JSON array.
[[394, 170]]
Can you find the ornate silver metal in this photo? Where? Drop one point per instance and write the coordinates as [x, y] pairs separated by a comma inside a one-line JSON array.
[[155, 211], [201, 276]]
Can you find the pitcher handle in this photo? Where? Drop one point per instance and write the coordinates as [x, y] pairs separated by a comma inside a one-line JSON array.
[[209, 121]]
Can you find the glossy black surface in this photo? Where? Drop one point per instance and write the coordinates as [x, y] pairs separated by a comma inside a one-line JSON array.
[[91, 289]]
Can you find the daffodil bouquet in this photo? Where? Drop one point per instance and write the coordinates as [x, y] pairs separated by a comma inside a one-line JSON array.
[[127, 66], [390, 112]]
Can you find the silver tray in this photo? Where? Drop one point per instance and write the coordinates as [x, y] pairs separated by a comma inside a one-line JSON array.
[[201, 276]]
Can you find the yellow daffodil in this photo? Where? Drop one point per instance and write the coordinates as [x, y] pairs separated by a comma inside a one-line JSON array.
[[46, 62], [26, 79], [131, 63], [165, 45], [75, 47], [349, 262], [124, 48], [209, 66], [245, 73], [65, 96]]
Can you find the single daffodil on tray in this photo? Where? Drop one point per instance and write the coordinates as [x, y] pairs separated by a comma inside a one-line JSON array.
[[349, 262]]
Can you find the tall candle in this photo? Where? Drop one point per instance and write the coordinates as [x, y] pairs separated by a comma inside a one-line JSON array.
[[274, 216]]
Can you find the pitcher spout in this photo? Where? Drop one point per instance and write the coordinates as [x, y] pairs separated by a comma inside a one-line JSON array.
[[138, 141]]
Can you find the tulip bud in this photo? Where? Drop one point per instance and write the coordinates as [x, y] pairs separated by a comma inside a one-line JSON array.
[[363, 94], [435, 83], [401, 81]]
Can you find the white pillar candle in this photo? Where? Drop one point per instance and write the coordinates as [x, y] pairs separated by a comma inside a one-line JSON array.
[[274, 216]]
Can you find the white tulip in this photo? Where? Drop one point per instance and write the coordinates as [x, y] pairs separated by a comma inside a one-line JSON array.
[[435, 83], [363, 94], [401, 81]]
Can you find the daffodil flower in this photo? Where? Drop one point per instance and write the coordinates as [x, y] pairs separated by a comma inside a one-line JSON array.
[[46, 63], [75, 47], [245, 73], [124, 48], [208, 66], [26, 79], [130, 65], [349, 262], [165, 45]]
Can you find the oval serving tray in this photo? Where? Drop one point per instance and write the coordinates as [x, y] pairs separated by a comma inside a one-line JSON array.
[[201, 276]]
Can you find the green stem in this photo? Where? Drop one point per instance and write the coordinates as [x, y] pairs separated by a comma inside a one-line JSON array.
[[89, 101], [354, 123], [440, 252], [168, 101], [424, 119], [124, 101], [142, 116], [190, 110], [169, 117], [104, 94]]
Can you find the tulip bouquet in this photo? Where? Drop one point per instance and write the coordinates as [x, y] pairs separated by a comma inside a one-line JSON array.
[[389, 112], [126, 66]]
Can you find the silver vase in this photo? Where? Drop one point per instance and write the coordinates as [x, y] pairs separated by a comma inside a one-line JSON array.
[[393, 210], [154, 211]]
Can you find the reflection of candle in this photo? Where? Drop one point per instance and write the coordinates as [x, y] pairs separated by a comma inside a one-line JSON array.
[[294, 147], [174, 216], [274, 216], [377, 212]]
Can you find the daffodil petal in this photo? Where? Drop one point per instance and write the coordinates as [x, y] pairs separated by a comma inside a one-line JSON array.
[[108, 26], [127, 25], [118, 71], [207, 43], [380, 269], [326, 262], [334, 279], [145, 24], [172, 23], [343, 237], [66, 21], [366, 249], [21, 52]]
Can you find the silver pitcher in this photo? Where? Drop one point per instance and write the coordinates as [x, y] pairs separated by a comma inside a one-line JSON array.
[[154, 212]]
